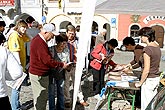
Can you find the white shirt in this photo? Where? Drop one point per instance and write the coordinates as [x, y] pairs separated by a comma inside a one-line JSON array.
[[42, 37], [10, 69]]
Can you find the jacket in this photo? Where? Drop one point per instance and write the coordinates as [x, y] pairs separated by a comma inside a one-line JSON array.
[[40, 58], [96, 62]]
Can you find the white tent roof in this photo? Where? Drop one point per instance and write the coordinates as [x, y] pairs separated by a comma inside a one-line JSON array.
[[145, 7]]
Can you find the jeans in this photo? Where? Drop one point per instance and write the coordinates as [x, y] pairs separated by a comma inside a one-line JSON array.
[[15, 103], [58, 84]]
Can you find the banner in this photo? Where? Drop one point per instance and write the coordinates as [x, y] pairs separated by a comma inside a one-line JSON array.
[[6, 2], [84, 38]]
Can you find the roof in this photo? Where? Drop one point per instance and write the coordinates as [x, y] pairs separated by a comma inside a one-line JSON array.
[[145, 7]]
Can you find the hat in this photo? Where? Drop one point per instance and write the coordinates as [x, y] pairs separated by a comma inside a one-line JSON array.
[[50, 28]]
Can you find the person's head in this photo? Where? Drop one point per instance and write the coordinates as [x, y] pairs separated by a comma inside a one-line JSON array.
[[35, 24], [103, 32], [61, 40], [129, 43], [21, 27], [48, 31], [2, 25], [112, 43], [71, 32], [29, 20], [11, 26], [147, 34]]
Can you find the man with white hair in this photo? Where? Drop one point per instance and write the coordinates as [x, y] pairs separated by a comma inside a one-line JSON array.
[[101, 37], [40, 63]]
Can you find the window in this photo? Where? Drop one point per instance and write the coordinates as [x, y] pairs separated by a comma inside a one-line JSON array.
[[134, 30]]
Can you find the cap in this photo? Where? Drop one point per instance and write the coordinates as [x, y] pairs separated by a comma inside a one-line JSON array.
[[50, 28]]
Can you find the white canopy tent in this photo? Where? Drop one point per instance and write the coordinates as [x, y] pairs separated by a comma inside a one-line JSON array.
[[139, 7]]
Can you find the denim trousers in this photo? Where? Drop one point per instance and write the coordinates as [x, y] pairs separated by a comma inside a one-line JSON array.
[[56, 87], [15, 103]]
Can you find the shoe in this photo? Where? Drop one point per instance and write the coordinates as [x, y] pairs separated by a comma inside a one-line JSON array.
[[84, 104], [23, 107], [103, 97], [100, 98], [97, 96]]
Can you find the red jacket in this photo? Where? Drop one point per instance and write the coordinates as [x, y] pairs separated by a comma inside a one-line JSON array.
[[96, 62]]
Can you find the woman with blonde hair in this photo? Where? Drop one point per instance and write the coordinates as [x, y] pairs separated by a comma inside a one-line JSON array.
[[16, 44]]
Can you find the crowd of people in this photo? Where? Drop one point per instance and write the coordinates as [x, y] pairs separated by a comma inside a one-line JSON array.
[[51, 68]]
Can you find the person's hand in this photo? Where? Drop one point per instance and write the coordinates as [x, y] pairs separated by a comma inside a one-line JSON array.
[[102, 56], [65, 65], [68, 66], [127, 68], [163, 81], [118, 67], [138, 84]]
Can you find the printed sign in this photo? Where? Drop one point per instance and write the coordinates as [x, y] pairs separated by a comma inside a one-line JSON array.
[[113, 22], [6, 2]]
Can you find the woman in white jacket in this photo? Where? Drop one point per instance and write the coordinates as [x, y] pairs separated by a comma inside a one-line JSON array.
[[10, 69]]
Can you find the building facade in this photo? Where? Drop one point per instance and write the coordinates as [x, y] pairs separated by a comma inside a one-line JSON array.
[[129, 25], [64, 12]]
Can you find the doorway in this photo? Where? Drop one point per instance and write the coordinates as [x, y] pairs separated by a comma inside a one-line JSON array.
[[159, 33]]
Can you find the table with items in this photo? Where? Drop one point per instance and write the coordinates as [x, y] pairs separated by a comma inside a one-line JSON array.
[[121, 85]]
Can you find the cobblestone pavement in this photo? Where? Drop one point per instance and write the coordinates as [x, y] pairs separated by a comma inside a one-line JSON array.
[[120, 57]]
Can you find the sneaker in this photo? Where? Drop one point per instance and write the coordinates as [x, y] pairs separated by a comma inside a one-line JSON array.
[[23, 107], [100, 98], [103, 97], [97, 96]]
